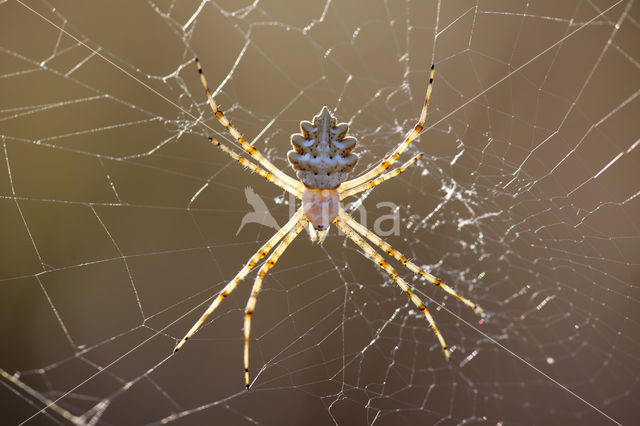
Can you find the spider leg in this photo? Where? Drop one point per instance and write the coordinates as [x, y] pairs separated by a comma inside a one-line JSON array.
[[374, 256], [391, 158], [261, 253], [243, 143], [251, 304], [377, 181], [402, 259], [265, 174]]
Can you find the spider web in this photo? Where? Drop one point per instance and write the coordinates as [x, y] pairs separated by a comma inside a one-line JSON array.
[[119, 219]]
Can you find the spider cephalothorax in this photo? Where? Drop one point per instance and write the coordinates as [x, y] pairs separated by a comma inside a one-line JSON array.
[[322, 159]]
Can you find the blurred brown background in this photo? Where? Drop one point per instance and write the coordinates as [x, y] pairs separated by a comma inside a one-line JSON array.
[[119, 219]]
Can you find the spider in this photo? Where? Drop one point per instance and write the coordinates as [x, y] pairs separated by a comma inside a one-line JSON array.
[[322, 159]]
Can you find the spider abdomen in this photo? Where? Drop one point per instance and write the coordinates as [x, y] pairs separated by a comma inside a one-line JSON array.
[[321, 154]]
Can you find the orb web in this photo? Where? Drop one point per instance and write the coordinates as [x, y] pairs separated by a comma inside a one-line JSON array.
[[120, 221]]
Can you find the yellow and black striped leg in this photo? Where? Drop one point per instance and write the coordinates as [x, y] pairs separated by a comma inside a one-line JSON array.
[[402, 259], [377, 181], [391, 158], [251, 304], [265, 174], [260, 254], [261, 159], [374, 256]]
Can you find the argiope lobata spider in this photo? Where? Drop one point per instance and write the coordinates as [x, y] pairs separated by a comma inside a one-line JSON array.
[[322, 159]]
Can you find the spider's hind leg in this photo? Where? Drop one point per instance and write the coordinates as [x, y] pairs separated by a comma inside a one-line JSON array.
[[282, 177], [377, 181], [257, 169], [391, 158]]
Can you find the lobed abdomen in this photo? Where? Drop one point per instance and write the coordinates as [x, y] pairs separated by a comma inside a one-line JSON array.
[[321, 154]]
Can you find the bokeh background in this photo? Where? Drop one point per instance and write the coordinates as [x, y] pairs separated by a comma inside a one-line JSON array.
[[120, 220]]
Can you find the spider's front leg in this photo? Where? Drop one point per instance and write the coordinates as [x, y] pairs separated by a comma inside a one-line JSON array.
[[375, 257], [403, 260], [251, 304], [253, 261]]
